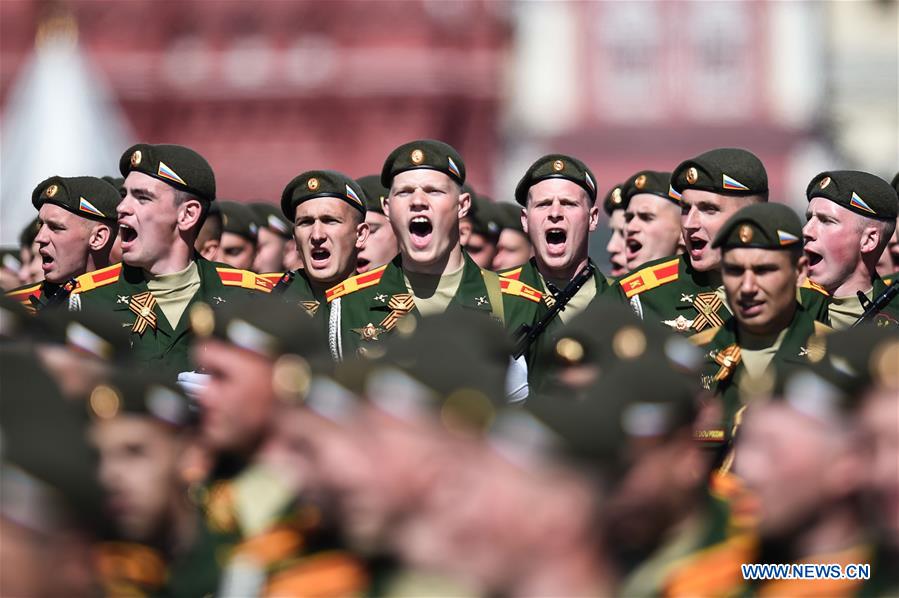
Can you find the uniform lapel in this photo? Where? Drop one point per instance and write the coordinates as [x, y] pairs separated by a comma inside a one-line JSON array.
[[472, 291]]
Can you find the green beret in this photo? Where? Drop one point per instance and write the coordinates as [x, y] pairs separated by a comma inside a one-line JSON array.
[[652, 182], [725, 171], [895, 182], [90, 332], [860, 192], [175, 165], [556, 166], [29, 233], [483, 216], [508, 215], [857, 358], [423, 154], [321, 183], [761, 225], [238, 219], [269, 216], [614, 200], [140, 392], [117, 182], [85, 196], [375, 192]]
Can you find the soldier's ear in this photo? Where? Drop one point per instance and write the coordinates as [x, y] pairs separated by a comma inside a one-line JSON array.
[[594, 218], [362, 230], [189, 215], [385, 205], [99, 236], [464, 204], [524, 220]]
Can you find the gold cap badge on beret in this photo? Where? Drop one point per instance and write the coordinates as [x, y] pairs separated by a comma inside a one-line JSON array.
[[51, 191], [136, 158], [629, 343], [640, 182], [202, 319], [692, 175], [745, 233], [105, 402], [417, 156], [312, 184], [824, 182], [558, 166], [570, 350], [616, 195]]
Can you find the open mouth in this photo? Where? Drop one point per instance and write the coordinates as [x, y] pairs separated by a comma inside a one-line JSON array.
[[555, 240], [750, 307], [361, 264], [319, 256], [633, 248], [813, 258], [46, 261], [128, 234], [697, 246], [420, 229]]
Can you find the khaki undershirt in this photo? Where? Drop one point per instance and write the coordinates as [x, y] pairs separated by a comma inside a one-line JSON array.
[[260, 497], [757, 352], [844, 311], [174, 291], [433, 292], [579, 302], [722, 295]]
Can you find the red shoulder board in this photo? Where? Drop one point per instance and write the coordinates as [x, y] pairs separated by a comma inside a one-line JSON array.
[[355, 283], [808, 284], [232, 277], [649, 278], [273, 277], [511, 286], [22, 296], [98, 278], [514, 273]]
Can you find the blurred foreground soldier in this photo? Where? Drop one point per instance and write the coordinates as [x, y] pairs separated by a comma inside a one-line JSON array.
[[210, 237], [798, 454], [761, 264], [139, 427], [381, 246], [49, 499], [169, 191], [10, 269], [851, 218], [260, 356], [77, 219], [272, 237], [239, 233], [513, 246], [479, 231], [614, 207], [432, 273], [328, 212], [558, 194], [684, 292], [652, 216]]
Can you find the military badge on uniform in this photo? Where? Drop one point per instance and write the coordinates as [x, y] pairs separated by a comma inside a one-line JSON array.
[[692, 175], [728, 358], [142, 306], [417, 156], [686, 297], [707, 304], [51, 191], [640, 181], [312, 184], [824, 182], [558, 166], [680, 323], [369, 332], [745, 233], [310, 306], [136, 158]]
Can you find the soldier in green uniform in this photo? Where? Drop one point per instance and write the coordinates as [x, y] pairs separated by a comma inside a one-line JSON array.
[[260, 356], [479, 231], [513, 246], [77, 229], [328, 212], [272, 237], [210, 236], [851, 218], [613, 205], [684, 292], [140, 428], [558, 194], [652, 216], [237, 247], [761, 263], [169, 190], [381, 246], [432, 272]]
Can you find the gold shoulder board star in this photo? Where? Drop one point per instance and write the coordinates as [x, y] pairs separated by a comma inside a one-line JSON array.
[[680, 323]]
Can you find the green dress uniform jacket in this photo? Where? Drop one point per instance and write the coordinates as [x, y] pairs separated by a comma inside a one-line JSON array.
[[528, 303], [45, 294], [121, 291], [365, 308], [723, 367], [294, 288]]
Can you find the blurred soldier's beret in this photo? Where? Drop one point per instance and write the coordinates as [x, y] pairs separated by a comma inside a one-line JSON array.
[[895, 182], [860, 192], [375, 192], [117, 182], [508, 215], [614, 200], [423, 154], [175, 165], [139, 392], [482, 215], [269, 216], [85, 196], [321, 183], [652, 182], [556, 166], [761, 225], [724, 171], [856, 358], [238, 219]]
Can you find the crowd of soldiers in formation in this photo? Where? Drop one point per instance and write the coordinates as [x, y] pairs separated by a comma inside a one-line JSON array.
[[394, 386]]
